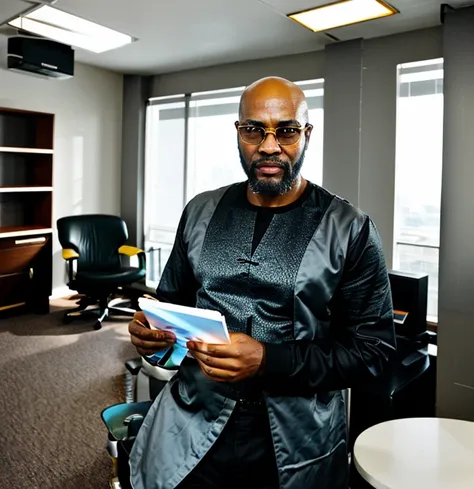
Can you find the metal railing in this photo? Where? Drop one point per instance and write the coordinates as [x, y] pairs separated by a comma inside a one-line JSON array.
[[418, 245]]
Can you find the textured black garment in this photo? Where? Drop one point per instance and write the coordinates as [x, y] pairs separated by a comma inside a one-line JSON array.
[[315, 291]]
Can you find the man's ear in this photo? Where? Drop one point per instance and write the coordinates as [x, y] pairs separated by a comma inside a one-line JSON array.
[[308, 132]]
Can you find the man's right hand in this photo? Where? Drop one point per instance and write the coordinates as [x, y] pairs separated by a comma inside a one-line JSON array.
[[148, 341]]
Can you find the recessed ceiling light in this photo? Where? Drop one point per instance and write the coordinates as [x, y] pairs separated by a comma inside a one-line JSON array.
[[71, 30], [342, 13]]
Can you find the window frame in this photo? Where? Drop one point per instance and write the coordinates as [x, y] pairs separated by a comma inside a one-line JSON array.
[[413, 73]]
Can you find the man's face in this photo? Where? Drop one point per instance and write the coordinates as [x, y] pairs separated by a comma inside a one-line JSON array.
[[272, 168]]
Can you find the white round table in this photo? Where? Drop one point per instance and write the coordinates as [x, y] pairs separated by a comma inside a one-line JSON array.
[[417, 453]]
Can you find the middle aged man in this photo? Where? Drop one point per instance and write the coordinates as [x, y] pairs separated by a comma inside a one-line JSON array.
[[300, 276]]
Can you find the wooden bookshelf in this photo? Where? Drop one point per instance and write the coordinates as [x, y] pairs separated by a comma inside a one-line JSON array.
[[19, 189], [5, 149], [26, 193], [23, 231]]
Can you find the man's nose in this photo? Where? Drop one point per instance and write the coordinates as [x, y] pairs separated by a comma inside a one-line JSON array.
[[270, 145]]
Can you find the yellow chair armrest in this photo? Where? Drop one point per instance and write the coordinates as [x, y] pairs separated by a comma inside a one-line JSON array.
[[130, 250], [69, 254]]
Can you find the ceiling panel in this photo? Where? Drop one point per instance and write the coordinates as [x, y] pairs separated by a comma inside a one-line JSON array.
[[291, 6], [175, 35], [413, 14], [11, 8], [183, 34]]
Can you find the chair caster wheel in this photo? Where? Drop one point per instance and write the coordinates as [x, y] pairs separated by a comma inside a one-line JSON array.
[[67, 319], [97, 325]]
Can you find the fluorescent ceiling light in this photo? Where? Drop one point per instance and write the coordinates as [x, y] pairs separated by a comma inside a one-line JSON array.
[[342, 13], [71, 30]]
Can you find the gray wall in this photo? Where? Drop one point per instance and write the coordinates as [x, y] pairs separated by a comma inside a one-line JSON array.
[[456, 288], [136, 91], [306, 66], [343, 92]]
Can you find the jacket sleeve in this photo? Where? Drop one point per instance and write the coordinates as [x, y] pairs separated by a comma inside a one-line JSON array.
[[178, 284], [361, 337]]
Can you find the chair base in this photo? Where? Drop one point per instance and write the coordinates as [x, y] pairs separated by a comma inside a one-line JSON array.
[[105, 309]]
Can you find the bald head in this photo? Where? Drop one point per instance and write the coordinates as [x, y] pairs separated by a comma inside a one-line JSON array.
[[273, 135], [272, 94]]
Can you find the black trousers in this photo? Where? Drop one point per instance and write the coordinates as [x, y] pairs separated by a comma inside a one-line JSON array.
[[242, 457]]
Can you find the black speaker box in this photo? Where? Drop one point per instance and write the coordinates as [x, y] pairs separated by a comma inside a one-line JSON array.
[[410, 294]]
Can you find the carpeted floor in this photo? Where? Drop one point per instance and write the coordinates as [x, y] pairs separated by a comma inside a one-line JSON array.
[[55, 380]]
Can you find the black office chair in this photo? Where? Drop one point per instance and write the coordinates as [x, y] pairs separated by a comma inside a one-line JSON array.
[[93, 246]]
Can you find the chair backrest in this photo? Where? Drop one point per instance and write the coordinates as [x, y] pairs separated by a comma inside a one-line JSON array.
[[95, 237]]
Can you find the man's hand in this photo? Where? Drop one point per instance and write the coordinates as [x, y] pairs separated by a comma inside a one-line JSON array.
[[148, 341], [229, 363]]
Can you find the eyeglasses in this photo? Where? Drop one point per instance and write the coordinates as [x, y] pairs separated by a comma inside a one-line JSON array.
[[285, 135]]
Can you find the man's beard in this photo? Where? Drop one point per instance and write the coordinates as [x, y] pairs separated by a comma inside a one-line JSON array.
[[270, 186]]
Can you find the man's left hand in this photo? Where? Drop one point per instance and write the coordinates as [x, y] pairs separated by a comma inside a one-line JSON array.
[[239, 360]]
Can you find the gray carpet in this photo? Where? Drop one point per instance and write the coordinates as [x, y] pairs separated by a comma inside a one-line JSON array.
[[54, 381]]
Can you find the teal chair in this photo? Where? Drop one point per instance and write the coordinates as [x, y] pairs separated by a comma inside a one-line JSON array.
[[123, 422]]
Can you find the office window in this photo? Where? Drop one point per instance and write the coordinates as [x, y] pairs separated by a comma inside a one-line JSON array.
[[213, 159], [419, 156], [191, 147], [313, 163], [164, 179]]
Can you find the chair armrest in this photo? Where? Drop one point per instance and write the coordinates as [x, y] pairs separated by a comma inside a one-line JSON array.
[[159, 373], [69, 254], [132, 251], [134, 365]]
